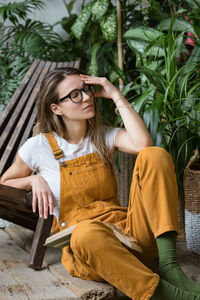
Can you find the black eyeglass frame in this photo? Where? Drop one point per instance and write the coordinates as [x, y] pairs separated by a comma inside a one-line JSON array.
[[90, 88]]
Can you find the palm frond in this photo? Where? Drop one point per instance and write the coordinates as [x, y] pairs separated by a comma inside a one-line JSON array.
[[19, 10]]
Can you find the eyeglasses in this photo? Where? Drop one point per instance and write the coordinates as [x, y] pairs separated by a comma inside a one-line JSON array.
[[76, 95]]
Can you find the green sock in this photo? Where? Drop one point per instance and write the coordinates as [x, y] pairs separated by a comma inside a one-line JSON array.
[[167, 291], [169, 269]]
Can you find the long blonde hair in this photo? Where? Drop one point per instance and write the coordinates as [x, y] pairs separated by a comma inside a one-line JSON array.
[[47, 121]]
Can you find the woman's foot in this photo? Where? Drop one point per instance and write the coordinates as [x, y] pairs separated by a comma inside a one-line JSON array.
[[167, 291], [173, 274], [169, 269]]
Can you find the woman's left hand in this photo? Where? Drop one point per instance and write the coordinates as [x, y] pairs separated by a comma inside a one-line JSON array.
[[108, 89]]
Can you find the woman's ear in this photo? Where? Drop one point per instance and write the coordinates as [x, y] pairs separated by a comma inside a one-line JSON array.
[[56, 109]]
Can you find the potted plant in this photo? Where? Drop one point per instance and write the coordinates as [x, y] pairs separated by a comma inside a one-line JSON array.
[[169, 82]]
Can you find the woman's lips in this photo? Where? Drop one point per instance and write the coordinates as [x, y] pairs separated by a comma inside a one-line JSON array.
[[88, 107]]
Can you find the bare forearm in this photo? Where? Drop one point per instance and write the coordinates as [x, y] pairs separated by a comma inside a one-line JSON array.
[[134, 125], [42, 195], [19, 175], [20, 183]]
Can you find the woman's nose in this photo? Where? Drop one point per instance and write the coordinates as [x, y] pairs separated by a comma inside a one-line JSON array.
[[85, 96]]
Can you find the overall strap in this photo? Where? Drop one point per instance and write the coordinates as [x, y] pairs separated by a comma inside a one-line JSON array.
[[57, 152]]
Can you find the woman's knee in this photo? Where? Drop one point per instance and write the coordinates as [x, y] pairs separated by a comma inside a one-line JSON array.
[[88, 234], [156, 156]]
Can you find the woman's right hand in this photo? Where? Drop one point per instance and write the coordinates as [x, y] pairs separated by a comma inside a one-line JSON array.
[[41, 196], [19, 176]]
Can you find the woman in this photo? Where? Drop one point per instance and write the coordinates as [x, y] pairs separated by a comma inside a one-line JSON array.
[[71, 155]]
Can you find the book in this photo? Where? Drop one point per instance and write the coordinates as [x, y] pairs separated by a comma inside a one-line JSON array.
[[62, 238]]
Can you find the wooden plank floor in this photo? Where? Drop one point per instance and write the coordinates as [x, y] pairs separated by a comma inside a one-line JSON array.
[[19, 282]]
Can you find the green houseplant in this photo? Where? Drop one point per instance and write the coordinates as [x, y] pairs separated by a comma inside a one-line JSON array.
[[167, 90], [22, 40], [170, 88]]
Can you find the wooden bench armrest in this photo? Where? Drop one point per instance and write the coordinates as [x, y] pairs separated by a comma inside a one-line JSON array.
[[15, 196]]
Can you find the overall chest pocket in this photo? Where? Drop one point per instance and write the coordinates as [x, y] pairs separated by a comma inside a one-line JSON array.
[[92, 183]]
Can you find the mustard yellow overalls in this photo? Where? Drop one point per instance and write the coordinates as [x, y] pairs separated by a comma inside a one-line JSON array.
[[88, 193]]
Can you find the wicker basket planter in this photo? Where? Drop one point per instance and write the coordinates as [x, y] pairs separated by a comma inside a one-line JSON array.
[[124, 177], [192, 204]]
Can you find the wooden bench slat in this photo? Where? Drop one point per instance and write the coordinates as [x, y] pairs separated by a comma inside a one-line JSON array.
[[53, 66], [59, 65], [19, 109], [71, 64], [77, 63], [10, 107], [29, 127], [14, 141]]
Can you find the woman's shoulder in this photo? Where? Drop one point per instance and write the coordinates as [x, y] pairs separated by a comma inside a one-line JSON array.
[[37, 140], [35, 144], [33, 150]]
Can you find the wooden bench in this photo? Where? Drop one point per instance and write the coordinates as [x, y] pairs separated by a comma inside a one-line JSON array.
[[16, 123]]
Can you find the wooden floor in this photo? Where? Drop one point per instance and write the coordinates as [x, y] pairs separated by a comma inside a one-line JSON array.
[[19, 282]]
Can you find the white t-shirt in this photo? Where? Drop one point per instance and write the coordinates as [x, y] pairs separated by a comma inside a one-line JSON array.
[[38, 156]]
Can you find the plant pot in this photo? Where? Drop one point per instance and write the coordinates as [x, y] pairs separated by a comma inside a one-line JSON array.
[[192, 204]]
